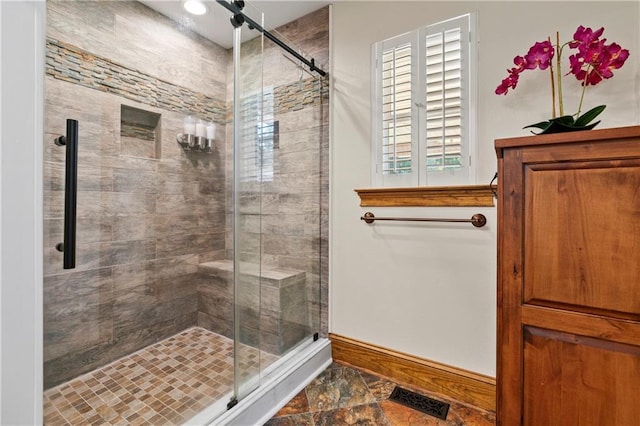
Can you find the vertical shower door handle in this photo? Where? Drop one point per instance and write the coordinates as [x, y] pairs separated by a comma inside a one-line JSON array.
[[70, 141]]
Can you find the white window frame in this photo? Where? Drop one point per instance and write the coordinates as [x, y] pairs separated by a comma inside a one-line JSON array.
[[419, 176]]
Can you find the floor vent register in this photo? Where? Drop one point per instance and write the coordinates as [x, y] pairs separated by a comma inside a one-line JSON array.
[[419, 402]]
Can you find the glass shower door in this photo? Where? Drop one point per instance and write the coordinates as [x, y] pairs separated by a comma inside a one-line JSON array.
[[281, 148], [124, 334], [292, 218], [247, 211], [78, 281]]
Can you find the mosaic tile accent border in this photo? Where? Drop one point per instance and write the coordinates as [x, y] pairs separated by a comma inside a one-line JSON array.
[[164, 384], [303, 94], [70, 63]]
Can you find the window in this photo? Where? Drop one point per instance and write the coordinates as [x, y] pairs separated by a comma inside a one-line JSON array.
[[267, 136], [424, 105], [260, 134]]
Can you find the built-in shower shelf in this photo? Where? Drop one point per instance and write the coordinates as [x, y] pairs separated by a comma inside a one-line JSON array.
[[272, 304]]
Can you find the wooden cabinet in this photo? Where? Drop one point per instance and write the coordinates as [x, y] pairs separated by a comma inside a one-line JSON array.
[[569, 279]]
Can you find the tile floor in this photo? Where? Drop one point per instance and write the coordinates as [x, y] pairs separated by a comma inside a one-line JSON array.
[[164, 384], [169, 382], [343, 395]]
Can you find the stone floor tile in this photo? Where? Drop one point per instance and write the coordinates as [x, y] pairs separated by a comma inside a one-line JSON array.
[[367, 414], [305, 419], [299, 404], [338, 388]]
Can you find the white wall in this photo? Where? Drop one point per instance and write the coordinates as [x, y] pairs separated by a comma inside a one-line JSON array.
[[429, 289], [22, 76]]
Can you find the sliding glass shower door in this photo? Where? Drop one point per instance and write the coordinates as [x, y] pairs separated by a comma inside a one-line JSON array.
[[280, 147], [248, 175], [126, 331]]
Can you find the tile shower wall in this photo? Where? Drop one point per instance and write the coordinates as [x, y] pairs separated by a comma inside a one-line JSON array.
[[146, 217]]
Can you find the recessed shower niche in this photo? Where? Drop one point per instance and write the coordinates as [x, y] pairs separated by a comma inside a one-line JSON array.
[[139, 132]]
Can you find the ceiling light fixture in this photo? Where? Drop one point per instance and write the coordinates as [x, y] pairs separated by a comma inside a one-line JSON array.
[[195, 7]]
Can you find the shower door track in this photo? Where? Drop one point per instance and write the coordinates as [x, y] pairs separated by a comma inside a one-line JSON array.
[[240, 17]]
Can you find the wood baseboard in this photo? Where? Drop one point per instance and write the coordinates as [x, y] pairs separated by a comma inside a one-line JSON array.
[[462, 385]]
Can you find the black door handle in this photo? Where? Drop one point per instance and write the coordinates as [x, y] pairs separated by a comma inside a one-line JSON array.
[[70, 141]]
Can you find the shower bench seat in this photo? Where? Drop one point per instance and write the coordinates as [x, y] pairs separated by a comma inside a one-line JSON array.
[[272, 301], [279, 277]]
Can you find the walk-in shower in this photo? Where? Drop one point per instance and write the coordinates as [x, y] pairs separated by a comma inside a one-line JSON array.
[[195, 203]]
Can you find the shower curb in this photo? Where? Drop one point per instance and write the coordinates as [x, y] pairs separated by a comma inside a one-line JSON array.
[[275, 392]]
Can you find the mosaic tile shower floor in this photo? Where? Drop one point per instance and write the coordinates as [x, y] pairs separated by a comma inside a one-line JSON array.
[[343, 395], [164, 384]]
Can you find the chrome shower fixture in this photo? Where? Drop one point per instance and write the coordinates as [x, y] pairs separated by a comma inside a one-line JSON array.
[[197, 135]]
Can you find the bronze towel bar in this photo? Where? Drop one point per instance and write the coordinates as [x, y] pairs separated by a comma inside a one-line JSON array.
[[478, 220]]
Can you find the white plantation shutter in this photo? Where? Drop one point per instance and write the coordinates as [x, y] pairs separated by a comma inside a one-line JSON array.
[[446, 151], [396, 109], [444, 109], [423, 121], [395, 75]]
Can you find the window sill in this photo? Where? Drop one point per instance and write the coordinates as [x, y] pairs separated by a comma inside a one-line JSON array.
[[441, 196]]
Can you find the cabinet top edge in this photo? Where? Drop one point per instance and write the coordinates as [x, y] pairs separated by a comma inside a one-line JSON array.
[[569, 137]]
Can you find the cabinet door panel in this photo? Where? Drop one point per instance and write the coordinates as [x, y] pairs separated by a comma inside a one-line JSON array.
[[574, 380], [582, 237]]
